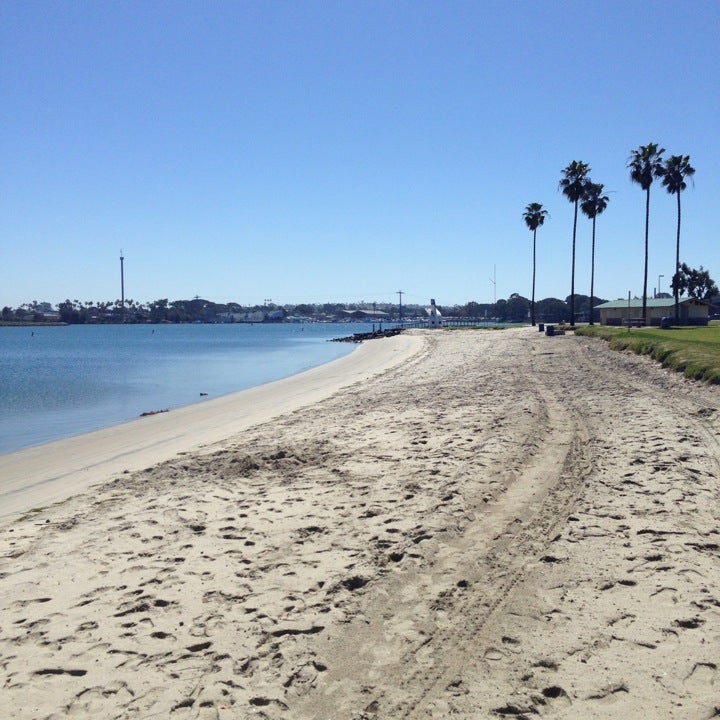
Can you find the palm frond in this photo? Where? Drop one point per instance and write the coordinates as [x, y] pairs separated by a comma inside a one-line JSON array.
[[594, 202], [677, 168], [646, 164], [534, 215], [574, 180]]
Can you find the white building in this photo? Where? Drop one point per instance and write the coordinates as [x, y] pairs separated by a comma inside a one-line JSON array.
[[434, 315]]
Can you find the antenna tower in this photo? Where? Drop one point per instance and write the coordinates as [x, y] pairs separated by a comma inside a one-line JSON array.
[[122, 286]]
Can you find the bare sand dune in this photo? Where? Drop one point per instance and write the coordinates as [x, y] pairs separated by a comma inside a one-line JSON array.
[[505, 525]]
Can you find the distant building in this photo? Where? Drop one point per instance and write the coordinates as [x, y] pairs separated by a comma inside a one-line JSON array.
[[617, 312], [434, 315], [371, 315]]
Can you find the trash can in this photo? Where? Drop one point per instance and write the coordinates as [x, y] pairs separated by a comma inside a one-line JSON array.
[[665, 323], [541, 327], [550, 330]]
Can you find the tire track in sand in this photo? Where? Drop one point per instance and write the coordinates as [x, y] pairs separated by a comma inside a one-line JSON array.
[[505, 538], [619, 626], [443, 606]]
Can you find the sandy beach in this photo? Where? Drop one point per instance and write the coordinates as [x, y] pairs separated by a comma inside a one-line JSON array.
[[446, 524]]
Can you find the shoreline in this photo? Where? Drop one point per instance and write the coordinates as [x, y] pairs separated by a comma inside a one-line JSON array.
[[505, 524], [62, 468], [158, 372]]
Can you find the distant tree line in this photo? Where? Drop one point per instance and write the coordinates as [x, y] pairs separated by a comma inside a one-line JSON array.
[[514, 309], [695, 283], [518, 309]]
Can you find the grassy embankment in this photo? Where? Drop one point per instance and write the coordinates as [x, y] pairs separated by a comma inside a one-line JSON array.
[[693, 351]]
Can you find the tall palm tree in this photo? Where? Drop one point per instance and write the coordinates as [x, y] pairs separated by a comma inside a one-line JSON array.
[[645, 165], [573, 185], [534, 217], [677, 168], [593, 204]]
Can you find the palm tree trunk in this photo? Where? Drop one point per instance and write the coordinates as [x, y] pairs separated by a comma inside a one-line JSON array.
[[592, 276], [647, 226], [532, 301], [677, 266], [572, 274]]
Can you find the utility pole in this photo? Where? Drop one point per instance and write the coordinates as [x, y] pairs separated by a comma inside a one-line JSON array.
[[122, 286], [492, 280], [628, 314], [400, 294]]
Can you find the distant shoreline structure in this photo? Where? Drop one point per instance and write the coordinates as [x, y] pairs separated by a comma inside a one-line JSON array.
[[515, 309]]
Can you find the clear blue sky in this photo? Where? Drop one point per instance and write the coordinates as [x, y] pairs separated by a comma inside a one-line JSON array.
[[342, 151]]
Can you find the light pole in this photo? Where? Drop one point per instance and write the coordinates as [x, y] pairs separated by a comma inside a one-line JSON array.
[[659, 276], [122, 287], [492, 280]]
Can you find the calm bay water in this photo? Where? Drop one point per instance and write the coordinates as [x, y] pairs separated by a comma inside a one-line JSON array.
[[61, 381]]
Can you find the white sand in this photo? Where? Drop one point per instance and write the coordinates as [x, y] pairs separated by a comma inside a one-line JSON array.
[[503, 525]]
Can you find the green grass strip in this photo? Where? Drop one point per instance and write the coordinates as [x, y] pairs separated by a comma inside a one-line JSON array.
[[693, 351]]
